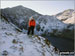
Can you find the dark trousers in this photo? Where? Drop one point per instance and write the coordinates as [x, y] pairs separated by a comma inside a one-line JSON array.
[[31, 30]]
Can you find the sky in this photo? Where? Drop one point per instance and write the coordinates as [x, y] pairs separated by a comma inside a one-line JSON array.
[[42, 7]]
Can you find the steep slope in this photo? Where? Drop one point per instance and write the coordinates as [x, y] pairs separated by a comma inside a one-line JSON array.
[[15, 43], [66, 16]]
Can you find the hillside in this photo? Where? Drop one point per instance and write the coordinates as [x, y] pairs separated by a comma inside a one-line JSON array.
[[15, 43]]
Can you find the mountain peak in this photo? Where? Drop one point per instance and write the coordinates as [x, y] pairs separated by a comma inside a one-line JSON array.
[[66, 16], [20, 6], [70, 10], [65, 11]]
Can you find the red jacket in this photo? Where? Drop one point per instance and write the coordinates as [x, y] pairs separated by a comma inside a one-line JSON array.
[[32, 23]]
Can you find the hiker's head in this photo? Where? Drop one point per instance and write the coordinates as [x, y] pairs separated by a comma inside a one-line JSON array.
[[31, 18]]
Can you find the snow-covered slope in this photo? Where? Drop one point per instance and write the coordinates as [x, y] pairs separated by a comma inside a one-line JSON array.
[[49, 23], [16, 43], [67, 16], [70, 20]]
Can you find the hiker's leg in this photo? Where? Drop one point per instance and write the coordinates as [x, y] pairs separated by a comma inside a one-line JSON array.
[[32, 30], [28, 30]]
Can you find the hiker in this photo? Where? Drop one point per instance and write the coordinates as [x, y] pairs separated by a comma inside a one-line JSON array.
[[32, 25]]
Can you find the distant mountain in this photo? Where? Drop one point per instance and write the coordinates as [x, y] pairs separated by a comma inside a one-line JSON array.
[[66, 16], [20, 15]]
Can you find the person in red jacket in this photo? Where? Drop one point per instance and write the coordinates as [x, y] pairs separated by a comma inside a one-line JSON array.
[[32, 25]]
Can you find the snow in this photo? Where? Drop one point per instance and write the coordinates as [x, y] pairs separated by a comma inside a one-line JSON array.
[[71, 19], [49, 23], [25, 45], [67, 16], [30, 45]]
